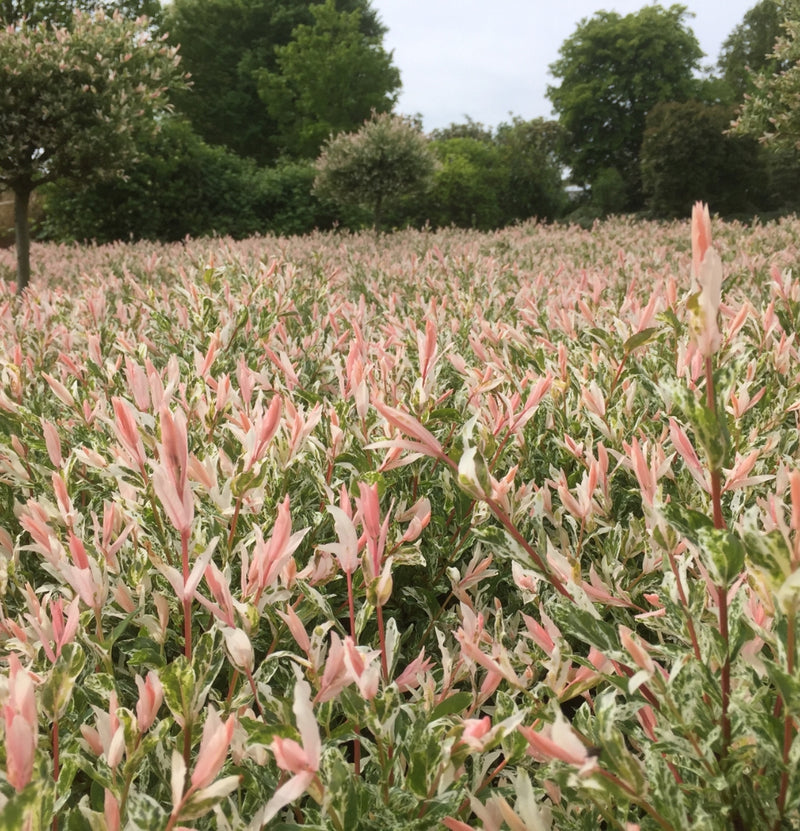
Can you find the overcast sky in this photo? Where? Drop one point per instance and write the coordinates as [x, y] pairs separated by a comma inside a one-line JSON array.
[[489, 58]]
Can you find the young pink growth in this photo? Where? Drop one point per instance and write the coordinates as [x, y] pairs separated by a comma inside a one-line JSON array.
[[707, 273], [684, 447], [111, 811], [52, 442], [409, 678], [376, 532], [425, 442], [362, 668], [794, 490], [126, 429], [264, 429], [292, 620], [335, 676], [453, 824], [214, 746], [419, 515], [223, 609], [177, 503], [65, 505], [636, 650], [173, 450], [137, 384], [270, 557], [346, 550], [239, 649], [474, 731], [108, 737], [644, 473], [558, 741], [151, 694], [302, 760], [54, 629], [19, 713]]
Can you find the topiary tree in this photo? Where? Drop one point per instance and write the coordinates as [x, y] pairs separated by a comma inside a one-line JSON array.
[[72, 101], [772, 111], [387, 158]]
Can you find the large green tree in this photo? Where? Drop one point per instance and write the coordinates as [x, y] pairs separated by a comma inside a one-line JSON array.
[[72, 101], [225, 46], [688, 155], [772, 110], [328, 79], [60, 12], [612, 71], [748, 48]]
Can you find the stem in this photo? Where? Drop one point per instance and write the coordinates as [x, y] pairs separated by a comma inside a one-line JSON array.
[[187, 601], [725, 680], [685, 606], [505, 520], [234, 521], [382, 636], [22, 237], [788, 724], [350, 605], [56, 764]]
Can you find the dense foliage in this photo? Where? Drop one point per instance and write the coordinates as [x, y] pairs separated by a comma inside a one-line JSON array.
[[228, 45], [71, 102], [611, 72], [328, 80], [691, 137], [382, 163], [771, 111], [432, 529]]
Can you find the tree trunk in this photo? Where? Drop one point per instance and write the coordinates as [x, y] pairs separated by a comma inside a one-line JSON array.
[[22, 233]]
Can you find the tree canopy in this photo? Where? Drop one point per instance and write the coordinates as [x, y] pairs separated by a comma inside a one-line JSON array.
[[72, 101], [748, 48], [613, 70], [225, 46], [772, 111], [386, 159], [328, 79], [60, 12]]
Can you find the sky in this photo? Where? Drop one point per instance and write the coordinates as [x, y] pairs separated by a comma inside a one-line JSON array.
[[488, 59]]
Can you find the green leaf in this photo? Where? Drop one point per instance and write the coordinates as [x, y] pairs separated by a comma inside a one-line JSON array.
[[641, 338], [56, 692], [23, 806], [770, 554], [723, 553], [178, 681], [456, 703], [144, 813]]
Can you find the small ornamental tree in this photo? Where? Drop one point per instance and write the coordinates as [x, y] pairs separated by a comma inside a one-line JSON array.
[[771, 111], [72, 102], [387, 158]]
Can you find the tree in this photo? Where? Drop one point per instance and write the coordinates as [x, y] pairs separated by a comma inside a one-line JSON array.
[[71, 102], [178, 186], [466, 185], [225, 46], [771, 112], [328, 79], [387, 158], [748, 48], [613, 70], [687, 156], [60, 12], [530, 154]]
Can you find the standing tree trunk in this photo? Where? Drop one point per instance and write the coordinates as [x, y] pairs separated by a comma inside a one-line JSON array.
[[22, 233]]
